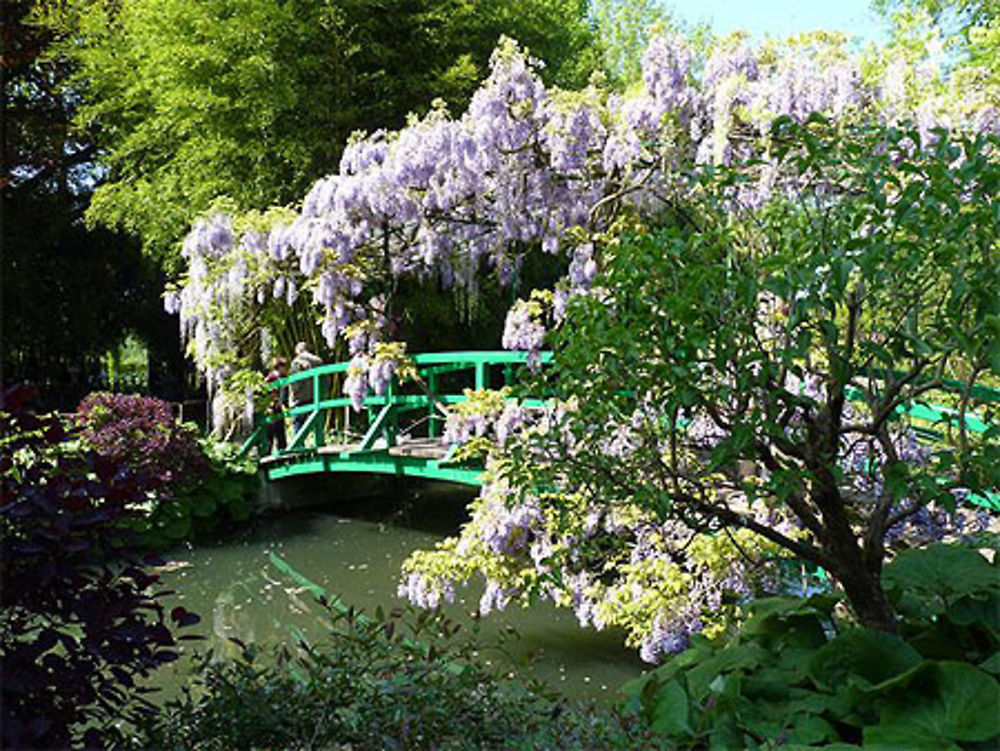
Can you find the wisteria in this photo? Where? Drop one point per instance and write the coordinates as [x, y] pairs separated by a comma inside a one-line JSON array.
[[662, 581], [515, 548], [524, 170], [522, 167]]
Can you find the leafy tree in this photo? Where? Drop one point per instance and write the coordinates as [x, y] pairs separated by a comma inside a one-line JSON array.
[[58, 318], [968, 29], [966, 13], [730, 394], [59, 315], [624, 31], [37, 146], [789, 339], [254, 99]]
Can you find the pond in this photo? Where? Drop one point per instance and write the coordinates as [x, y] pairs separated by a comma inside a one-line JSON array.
[[354, 550]]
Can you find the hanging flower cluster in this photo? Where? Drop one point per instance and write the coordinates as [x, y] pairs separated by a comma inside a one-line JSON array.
[[523, 167]]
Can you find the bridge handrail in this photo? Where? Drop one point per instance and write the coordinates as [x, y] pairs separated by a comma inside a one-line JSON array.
[[438, 363], [429, 365], [929, 420], [458, 360]]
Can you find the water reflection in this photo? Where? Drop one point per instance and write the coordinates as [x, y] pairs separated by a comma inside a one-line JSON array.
[[239, 593]]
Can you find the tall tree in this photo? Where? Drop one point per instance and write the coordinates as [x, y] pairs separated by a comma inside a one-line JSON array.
[[255, 99], [58, 318], [966, 13]]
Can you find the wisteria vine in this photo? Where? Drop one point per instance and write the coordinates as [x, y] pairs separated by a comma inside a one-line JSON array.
[[526, 167], [529, 169]]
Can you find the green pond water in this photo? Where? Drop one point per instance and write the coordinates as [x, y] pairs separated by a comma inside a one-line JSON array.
[[354, 550]]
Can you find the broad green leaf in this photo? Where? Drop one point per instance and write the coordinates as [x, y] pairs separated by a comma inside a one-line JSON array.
[[671, 712], [940, 573], [203, 506], [873, 655], [991, 664], [942, 703], [733, 657]]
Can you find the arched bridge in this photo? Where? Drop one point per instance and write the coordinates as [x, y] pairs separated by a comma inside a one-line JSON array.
[[398, 432]]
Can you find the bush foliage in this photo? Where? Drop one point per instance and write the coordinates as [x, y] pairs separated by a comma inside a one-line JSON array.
[[79, 623], [382, 682], [798, 675], [141, 430], [201, 487]]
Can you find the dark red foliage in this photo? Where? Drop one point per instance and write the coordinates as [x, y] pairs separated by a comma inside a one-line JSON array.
[[78, 622], [142, 430]]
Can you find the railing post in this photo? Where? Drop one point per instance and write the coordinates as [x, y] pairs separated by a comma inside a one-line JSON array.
[[480, 375], [318, 425], [392, 424], [432, 419]]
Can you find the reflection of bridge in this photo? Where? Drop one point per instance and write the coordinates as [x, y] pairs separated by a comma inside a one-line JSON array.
[[398, 432]]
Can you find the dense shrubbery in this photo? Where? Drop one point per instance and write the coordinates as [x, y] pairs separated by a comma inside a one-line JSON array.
[[141, 430], [78, 622], [380, 683], [798, 675], [201, 486]]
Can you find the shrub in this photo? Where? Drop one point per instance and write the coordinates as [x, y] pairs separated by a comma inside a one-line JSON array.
[[78, 622], [143, 431], [799, 676], [387, 682], [202, 485], [201, 507]]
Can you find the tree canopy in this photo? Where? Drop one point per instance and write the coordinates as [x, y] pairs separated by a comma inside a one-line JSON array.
[[252, 100], [731, 394], [57, 324]]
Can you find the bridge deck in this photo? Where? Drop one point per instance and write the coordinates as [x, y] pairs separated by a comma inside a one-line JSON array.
[[423, 448]]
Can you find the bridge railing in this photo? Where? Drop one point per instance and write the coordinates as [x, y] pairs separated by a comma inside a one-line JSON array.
[[442, 378], [327, 420]]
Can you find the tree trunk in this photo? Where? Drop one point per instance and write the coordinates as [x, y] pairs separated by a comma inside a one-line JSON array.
[[867, 597], [860, 577]]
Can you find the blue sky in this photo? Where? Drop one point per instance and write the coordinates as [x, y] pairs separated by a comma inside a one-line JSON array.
[[778, 18]]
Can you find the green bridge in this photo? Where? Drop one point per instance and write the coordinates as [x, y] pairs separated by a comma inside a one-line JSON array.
[[400, 432], [396, 433]]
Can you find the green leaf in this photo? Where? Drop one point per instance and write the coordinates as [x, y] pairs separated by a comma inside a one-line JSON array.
[[875, 656], [982, 609], [809, 729], [991, 664], [239, 510], [671, 714], [896, 475], [203, 506], [942, 703], [178, 528], [940, 573], [733, 657]]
